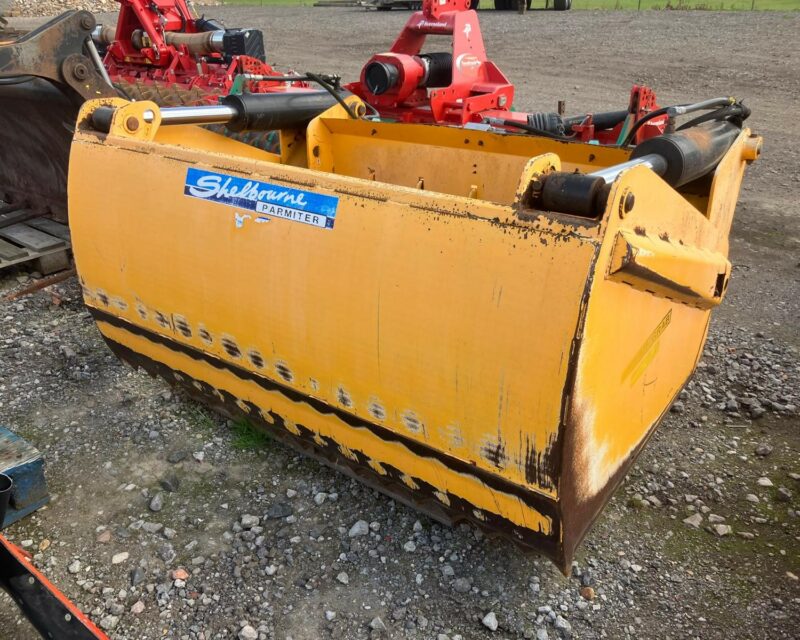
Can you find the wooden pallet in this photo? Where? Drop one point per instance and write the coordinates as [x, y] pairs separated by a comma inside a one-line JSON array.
[[24, 238]]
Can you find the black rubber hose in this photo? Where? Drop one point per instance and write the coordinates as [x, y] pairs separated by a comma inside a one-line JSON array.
[[334, 92], [601, 120], [645, 118], [680, 109], [530, 129], [736, 113]]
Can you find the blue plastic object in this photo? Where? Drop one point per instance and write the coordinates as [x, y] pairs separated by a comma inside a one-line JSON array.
[[23, 463]]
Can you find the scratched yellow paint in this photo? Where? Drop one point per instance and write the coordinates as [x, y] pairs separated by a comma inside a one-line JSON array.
[[514, 345], [644, 356], [624, 328], [428, 304], [375, 448]]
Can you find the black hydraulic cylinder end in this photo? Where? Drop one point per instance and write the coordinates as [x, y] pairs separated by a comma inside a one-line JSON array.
[[691, 153], [574, 193], [380, 77], [270, 111], [6, 485], [101, 118]]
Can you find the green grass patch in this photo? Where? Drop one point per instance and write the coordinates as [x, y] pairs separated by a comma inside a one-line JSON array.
[[247, 437], [708, 5], [200, 417]]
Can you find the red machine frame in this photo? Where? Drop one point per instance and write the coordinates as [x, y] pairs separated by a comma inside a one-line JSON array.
[[163, 62], [49, 610], [478, 90]]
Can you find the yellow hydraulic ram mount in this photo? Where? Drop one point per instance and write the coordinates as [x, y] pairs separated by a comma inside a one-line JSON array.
[[402, 301]]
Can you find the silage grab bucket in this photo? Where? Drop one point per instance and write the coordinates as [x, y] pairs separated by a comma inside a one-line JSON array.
[[396, 301]]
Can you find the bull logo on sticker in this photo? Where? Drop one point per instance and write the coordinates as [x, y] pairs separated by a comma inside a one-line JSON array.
[[265, 199]]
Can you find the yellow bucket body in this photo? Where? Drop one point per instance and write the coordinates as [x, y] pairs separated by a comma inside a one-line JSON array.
[[434, 336]]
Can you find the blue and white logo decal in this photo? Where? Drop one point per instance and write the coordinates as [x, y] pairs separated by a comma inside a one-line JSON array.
[[267, 200]]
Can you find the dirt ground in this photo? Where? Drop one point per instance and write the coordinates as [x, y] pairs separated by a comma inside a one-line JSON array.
[[113, 438]]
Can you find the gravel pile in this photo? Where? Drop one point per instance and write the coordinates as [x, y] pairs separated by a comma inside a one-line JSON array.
[[36, 8], [183, 526], [39, 8], [745, 376]]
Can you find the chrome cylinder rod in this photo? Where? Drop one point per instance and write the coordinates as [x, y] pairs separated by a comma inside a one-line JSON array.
[[98, 63], [203, 114], [653, 161]]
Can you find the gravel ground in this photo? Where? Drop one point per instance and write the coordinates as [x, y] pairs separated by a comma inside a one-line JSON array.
[[54, 7], [166, 521]]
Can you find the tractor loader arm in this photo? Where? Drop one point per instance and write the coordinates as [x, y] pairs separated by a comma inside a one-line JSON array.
[[44, 78]]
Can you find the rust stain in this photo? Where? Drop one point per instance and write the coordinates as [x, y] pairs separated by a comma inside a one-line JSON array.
[[284, 371], [495, 452], [162, 320], [376, 410], [256, 359], [230, 346], [205, 336], [541, 467], [343, 397], [182, 325], [452, 433], [412, 422]]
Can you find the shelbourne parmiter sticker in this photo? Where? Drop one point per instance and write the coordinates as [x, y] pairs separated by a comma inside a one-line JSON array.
[[265, 199]]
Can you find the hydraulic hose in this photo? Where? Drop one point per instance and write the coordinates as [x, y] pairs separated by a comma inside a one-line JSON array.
[[735, 113], [639, 123], [334, 91], [601, 120], [676, 110], [526, 127]]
